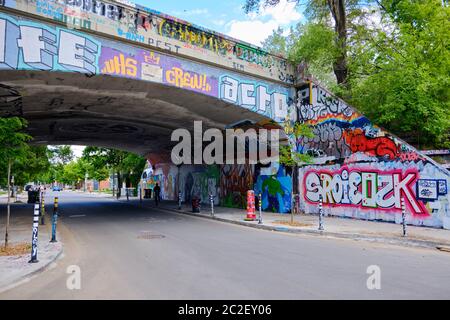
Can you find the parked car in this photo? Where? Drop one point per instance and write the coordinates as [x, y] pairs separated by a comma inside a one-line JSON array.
[[57, 188]]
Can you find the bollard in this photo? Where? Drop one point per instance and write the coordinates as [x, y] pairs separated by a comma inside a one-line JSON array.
[[179, 200], [403, 216], [54, 219], [260, 209], [211, 199], [42, 209], [34, 238], [320, 213]]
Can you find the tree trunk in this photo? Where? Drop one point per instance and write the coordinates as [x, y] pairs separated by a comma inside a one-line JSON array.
[[8, 204], [337, 8]]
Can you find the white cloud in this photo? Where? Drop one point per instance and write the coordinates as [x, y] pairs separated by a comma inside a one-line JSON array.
[[259, 26], [252, 31], [283, 13]]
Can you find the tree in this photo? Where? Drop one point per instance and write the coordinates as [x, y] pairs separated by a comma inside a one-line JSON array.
[[61, 154], [331, 13], [120, 162], [13, 145], [291, 158], [401, 77], [397, 63]]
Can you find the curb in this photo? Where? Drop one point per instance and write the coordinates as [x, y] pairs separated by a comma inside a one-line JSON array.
[[15, 282], [428, 244]]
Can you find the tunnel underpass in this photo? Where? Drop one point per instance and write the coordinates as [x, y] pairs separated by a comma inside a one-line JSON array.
[[137, 116]]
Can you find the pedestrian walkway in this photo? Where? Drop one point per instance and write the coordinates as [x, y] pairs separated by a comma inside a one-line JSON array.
[[333, 226], [16, 268]]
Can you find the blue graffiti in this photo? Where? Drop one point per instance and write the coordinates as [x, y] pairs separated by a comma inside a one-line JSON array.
[[27, 45], [255, 97]]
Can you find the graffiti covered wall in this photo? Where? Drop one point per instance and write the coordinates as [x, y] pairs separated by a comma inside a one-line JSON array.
[[30, 45], [227, 183], [200, 181], [362, 171], [149, 27]]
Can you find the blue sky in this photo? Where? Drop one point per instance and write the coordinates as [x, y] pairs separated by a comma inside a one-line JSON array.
[[228, 17]]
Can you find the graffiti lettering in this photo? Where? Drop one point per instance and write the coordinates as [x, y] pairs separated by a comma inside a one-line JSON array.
[[120, 65], [364, 188], [179, 78], [39, 45], [380, 146], [254, 97]]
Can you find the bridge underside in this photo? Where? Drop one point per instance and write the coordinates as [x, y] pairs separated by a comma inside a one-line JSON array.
[[71, 108]]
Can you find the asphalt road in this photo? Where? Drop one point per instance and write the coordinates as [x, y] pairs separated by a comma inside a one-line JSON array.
[[130, 252]]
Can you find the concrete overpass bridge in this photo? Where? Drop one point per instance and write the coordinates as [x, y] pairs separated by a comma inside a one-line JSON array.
[[114, 74], [119, 75]]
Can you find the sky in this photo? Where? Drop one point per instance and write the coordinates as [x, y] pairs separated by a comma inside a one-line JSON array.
[[228, 17]]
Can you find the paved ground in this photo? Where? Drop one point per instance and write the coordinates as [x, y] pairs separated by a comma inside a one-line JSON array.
[[333, 226], [15, 268], [121, 256]]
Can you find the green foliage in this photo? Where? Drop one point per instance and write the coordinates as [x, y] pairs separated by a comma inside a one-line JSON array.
[[61, 154], [13, 141], [122, 162], [398, 60], [276, 43], [288, 156], [402, 81]]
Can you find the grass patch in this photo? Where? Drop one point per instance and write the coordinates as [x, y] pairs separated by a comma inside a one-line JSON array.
[[15, 249], [292, 224]]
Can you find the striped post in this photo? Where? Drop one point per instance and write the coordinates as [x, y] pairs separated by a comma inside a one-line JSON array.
[[42, 208], [320, 213], [179, 200], [54, 219], [260, 221], [211, 199], [404, 217], [34, 239]]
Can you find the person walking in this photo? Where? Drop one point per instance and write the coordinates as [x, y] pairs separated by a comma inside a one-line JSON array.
[[157, 192]]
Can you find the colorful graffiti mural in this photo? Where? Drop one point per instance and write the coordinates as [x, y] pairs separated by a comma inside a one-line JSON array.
[[235, 181], [143, 25], [378, 146], [361, 171], [35, 46], [364, 187], [275, 189]]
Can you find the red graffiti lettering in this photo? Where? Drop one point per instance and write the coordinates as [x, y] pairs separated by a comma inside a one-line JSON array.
[[380, 146]]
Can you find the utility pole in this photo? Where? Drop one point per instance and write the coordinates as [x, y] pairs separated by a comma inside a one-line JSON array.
[[8, 203]]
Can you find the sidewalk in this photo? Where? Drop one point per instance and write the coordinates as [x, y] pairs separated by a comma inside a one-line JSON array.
[[14, 269], [336, 227]]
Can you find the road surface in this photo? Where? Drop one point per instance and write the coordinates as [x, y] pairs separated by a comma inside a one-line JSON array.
[[129, 252]]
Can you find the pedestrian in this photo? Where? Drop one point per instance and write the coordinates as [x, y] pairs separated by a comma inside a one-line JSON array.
[[157, 192]]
